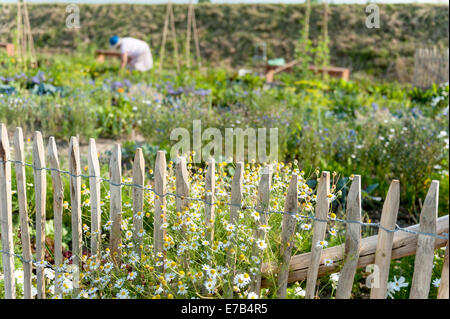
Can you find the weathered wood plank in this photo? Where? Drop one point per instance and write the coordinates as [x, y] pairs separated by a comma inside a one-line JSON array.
[[385, 239], [138, 197], [423, 266], [160, 203], [75, 207], [6, 215], [115, 212], [236, 192], [58, 202], [259, 234], [210, 188], [405, 244], [95, 198], [443, 287], [352, 241], [19, 155], [40, 191], [320, 228], [287, 233], [236, 202], [182, 185]]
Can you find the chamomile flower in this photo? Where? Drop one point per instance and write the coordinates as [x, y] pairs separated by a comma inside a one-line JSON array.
[[210, 286], [333, 232], [256, 216], [230, 227], [261, 244], [41, 264], [305, 226], [437, 282], [164, 225], [128, 234], [119, 283], [141, 232], [122, 294], [108, 266], [131, 275], [322, 243], [328, 262], [241, 280], [299, 291], [182, 289], [252, 295], [139, 215], [108, 225]]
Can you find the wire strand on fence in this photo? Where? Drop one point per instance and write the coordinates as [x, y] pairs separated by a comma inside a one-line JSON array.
[[444, 236]]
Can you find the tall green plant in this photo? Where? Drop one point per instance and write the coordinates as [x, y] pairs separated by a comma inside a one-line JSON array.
[[322, 57], [304, 49]]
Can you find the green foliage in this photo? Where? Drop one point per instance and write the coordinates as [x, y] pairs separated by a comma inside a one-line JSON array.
[[228, 32]]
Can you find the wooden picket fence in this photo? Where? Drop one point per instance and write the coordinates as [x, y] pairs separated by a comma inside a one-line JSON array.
[[356, 252], [431, 66]]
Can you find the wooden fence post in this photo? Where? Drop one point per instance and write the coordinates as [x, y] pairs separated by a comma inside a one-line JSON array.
[[352, 241], [75, 205], [443, 287], [94, 201], [58, 199], [115, 174], [423, 265], [287, 233], [6, 215], [236, 201], [182, 185], [40, 191], [385, 239], [210, 188], [138, 197], [182, 191], [160, 203], [263, 208], [23, 211], [320, 228]]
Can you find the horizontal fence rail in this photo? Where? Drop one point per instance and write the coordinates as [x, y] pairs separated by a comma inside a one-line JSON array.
[[391, 242]]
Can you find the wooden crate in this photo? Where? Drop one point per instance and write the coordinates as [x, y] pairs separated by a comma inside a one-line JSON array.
[[101, 54], [9, 47]]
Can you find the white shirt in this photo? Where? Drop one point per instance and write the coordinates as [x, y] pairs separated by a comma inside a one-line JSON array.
[[139, 52]]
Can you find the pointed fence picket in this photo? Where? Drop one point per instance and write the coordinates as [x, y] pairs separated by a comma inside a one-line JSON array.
[[75, 211], [287, 232], [160, 205], [236, 202], [58, 202], [95, 200], [423, 266], [355, 253], [6, 214], [138, 197], [115, 205], [322, 207], [385, 240], [40, 192], [210, 188], [23, 211], [263, 206], [352, 241]]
